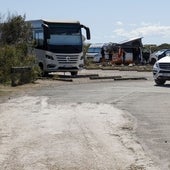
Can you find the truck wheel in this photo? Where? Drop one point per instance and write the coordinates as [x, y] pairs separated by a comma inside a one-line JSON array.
[[160, 81], [42, 72], [74, 73]]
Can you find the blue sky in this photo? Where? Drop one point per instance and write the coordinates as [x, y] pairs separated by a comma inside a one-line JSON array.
[[108, 20]]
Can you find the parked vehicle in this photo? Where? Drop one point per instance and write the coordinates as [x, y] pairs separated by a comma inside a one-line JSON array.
[[161, 70], [58, 45], [158, 55], [94, 52]]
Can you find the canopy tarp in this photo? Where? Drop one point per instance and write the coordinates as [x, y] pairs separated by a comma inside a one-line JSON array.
[[131, 43]]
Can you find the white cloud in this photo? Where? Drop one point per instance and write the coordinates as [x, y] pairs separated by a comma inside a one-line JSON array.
[[133, 25], [146, 24], [144, 31], [120, 31], [119, 23], [151, 33], [154, 30]]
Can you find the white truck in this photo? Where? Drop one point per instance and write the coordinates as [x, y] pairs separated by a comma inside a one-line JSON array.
[[59, 45], [161, 70]]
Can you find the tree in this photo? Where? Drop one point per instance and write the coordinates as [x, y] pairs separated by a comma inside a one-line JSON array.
[[164, 46], [15, 34], [15, 30]]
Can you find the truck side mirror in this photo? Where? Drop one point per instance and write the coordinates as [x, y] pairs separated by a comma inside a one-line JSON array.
[[46, 31], [87, 31]]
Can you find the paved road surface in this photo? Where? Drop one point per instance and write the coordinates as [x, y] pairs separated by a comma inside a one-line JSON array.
[[87, 125]]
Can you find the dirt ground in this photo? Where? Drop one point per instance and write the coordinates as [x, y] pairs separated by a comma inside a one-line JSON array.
[[37, 134]]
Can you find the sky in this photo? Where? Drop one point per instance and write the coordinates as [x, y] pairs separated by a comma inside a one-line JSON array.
[[108, 20]]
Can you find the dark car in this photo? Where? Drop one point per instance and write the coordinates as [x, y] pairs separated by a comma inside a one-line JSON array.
[[158, 55], [163, 53]]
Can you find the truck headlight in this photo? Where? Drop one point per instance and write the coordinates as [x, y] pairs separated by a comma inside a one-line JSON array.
[[82, 57], [49, 57]]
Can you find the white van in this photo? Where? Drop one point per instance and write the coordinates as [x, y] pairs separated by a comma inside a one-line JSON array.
[[94, 52]]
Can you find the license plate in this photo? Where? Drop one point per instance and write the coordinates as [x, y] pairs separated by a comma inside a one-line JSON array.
[[165, 74], [67, 66]]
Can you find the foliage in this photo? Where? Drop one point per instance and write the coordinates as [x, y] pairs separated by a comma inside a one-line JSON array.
[[85, 48], [152, 48], [11, 56], [15, 30], [164, 46], [15, 33]]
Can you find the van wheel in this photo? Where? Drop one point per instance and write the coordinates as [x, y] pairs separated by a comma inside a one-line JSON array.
[[160, 82]]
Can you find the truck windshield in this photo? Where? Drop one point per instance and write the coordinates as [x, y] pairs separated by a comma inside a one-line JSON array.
[[65, 38]]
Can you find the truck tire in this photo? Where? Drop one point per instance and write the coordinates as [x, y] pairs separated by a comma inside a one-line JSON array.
[[160, 82], [74, 73], [43, 73]]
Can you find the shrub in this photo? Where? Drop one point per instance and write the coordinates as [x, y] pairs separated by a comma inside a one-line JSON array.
[[11, 56], [15, 33]]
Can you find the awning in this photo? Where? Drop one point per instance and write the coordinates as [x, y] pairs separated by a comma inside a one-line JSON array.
[[131, 43]]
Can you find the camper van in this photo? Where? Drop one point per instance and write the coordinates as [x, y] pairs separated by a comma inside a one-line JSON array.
[[94, 52], [58, 45]]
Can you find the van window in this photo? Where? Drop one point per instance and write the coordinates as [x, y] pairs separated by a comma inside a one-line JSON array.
[[90, 50], [94, 50], [39, 38], [167, 52]]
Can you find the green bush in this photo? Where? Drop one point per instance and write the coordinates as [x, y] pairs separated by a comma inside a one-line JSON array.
[[11, 56], [15, 34], [7, 60]]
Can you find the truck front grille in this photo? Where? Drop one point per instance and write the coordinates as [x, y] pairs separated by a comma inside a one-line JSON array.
[[165, 66], [67, 59]]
